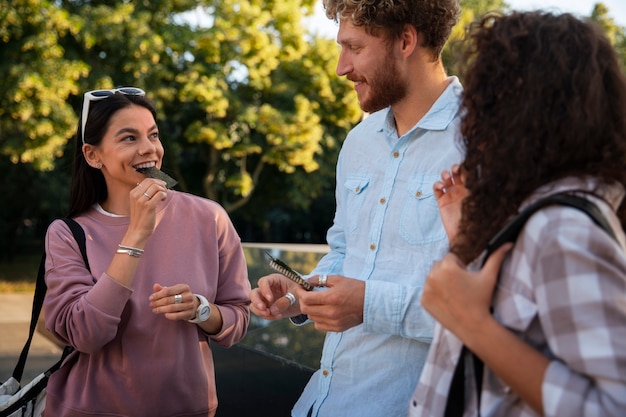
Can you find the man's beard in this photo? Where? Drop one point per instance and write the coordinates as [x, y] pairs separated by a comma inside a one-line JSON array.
[[385, 87]]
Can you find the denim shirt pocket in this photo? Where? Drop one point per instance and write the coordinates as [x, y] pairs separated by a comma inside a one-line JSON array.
[[355, 200], [420, 222]]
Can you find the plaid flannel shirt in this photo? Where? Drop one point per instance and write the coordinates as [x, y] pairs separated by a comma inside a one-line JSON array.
[[563, 291]]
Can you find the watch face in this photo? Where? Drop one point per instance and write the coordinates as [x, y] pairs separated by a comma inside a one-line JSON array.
[[203, 312]]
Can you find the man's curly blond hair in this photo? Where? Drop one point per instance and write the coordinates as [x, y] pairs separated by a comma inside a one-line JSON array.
[[434, 19]]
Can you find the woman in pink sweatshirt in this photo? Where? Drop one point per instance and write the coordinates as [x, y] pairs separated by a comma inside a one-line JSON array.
[[167, 276]]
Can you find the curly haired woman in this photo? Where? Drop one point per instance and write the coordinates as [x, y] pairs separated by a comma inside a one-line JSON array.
[[545, 112]]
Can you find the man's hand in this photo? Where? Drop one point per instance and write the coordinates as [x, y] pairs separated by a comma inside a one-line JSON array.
[[268, 301], [338, 307]]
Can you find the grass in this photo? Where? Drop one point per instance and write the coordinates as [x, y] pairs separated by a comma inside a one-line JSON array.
[[20, 274]]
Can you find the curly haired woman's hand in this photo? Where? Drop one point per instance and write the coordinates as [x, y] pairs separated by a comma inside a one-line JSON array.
[[450, 192]]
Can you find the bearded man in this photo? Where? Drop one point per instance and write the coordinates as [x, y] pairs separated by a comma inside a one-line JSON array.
[[387, 231]]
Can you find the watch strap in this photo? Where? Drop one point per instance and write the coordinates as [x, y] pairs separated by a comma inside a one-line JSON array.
[[203, 302]]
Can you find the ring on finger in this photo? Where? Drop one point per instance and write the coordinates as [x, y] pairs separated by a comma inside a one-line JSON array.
[[178, 298], [147, 195], [322, 281], [291, 298]]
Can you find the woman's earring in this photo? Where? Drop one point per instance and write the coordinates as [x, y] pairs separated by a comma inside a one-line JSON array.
[[99, 165]]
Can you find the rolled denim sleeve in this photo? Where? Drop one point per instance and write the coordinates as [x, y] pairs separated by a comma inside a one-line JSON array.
[[396, 309]]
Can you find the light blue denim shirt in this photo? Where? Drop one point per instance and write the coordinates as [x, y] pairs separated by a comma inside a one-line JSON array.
[[387, 232]]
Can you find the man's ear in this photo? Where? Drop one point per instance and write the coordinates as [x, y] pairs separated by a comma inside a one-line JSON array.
[[410, 39]]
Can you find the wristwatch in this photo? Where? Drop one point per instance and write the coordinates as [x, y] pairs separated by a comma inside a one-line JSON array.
[[203, 312]]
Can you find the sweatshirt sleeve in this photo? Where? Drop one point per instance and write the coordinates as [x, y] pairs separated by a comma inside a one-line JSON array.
[[79, 310], [233, 292]]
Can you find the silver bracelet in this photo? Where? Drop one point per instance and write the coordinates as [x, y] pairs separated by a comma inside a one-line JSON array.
[[129, 250]]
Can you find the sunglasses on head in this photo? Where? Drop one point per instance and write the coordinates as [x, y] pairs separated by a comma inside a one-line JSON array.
[[96, 95]]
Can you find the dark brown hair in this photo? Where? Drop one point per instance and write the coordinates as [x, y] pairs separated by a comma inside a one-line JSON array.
[[433, 19], [544, 99], [88, 185]]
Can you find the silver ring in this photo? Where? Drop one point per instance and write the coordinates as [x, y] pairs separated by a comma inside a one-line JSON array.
[[292, 298], [178, 298], [147, 195], [322, 281]]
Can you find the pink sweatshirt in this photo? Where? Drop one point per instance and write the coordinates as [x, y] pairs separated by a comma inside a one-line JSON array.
[[133, 362]]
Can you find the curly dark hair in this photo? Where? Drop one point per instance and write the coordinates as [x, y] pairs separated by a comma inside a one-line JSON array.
[[434, 19], [544, 99]]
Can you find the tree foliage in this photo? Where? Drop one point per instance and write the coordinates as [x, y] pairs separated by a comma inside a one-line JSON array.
[[245, 94], [615, 33], [474, 9], [37, 78], [251, 112], [471, 10]]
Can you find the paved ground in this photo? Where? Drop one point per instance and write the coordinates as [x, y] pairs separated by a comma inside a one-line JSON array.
[[15, 310]]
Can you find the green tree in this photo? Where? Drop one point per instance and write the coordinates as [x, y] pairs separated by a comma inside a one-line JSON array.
[[37, 78], [244, 92], [471, 10], [615, 33], [263, 102], [251, 112], [247, 99]]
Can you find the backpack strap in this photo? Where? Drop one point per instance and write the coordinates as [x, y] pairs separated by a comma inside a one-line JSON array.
[[512, 229], [40, 294], [456, 396]]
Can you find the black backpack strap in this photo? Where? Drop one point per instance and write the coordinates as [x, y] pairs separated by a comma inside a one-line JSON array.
[[456, 396], [79, 235], [40, 294], [512, 229]]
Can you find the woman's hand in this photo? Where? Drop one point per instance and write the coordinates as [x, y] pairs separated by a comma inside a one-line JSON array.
[[459, 299], [175, 303], [450, 192], [144, 199]]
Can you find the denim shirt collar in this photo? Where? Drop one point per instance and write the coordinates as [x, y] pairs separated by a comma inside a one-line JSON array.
[[438, 117]]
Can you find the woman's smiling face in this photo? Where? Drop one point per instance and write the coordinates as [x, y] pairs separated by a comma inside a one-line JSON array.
[[131, 141]]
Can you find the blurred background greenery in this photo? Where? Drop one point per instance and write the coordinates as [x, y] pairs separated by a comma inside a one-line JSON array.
[[251, 112]]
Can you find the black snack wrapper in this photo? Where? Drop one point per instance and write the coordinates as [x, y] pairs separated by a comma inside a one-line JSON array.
[[154, 172]]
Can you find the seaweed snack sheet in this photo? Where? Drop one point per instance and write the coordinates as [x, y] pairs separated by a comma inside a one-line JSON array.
[[154, 172]]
